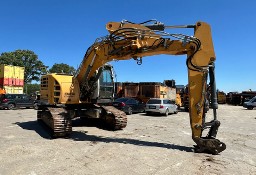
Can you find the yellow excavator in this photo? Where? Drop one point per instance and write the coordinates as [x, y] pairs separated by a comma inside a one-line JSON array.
[[64, 97]]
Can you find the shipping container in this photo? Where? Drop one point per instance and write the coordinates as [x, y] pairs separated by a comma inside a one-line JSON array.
[[156, 90], [11, 82], [18, 72], [18, 82], [13, 89], [6, 81], [150, 89], [11, 75], [118, 89], [6, 71], [131, 89]]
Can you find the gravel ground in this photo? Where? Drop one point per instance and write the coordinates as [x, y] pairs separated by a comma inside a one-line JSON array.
[[149, 145]]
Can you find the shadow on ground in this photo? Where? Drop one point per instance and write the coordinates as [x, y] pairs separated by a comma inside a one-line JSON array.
[[44, 132], [79, 136], [35, 126]]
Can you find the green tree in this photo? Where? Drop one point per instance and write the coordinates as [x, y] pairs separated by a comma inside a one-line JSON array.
[[62, 68], [31, 88], [24, 58]]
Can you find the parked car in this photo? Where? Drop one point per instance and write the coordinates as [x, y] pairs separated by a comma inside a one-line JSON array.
[[129, 105], [12, 101], [250, 104], [161, 106]]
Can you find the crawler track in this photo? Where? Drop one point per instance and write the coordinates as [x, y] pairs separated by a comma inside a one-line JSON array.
[[114, 118], [60, 123], [57, 120]]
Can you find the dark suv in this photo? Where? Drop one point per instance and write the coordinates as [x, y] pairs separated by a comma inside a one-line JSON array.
[[12, 101]]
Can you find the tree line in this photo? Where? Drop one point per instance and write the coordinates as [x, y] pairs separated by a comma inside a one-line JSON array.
[[34, 67]]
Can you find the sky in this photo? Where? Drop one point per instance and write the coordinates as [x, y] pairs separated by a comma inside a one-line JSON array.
[[60, 31]]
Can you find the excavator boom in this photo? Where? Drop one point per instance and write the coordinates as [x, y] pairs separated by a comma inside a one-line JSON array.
[[129, 40]]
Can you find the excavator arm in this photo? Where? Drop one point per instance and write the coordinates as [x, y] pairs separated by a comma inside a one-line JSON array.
[[129, 40]]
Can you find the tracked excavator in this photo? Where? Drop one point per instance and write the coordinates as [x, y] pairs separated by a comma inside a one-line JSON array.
[[65, 97]]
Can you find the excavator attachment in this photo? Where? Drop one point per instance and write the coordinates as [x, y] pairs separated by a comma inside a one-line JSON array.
[[210, 143], [130, 40], [151, 38], [205, 145]]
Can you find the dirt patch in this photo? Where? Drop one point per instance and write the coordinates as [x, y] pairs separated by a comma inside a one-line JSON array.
[[148, 145]]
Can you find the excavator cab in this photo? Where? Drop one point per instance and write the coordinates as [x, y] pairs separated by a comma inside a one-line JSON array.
[[105, 87]]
